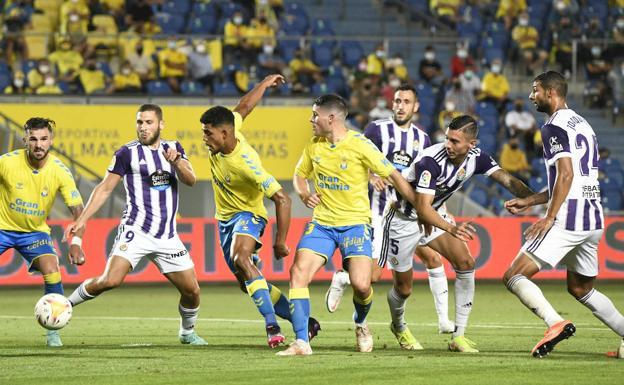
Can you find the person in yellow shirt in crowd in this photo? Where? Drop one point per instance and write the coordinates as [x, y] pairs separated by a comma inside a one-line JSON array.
[[260, 31], [92, 79], [508, 10], [36, 75], [526, 39], [172, 64], [376, 61], [67, 61], [304, 72], [495, 86], [513, 159], [127, 80], [49, 87], [236, 44], [73, 17], [446, 10], [18, 85], [263, 8]]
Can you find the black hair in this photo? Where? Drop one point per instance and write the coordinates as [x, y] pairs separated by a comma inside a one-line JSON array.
[[217, 116], [553, 80], [466, 124], [332, 102], [407, 87], [37, 123], [152, 107]]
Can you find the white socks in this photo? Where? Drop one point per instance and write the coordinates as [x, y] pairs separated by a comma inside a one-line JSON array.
[[80, 295], [397, 309], [604, 310], [188, 318], [464, 296], [439, 288], [533, 298]]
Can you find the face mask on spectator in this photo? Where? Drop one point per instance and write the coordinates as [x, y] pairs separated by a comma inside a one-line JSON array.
[[171, 44], [395, 83], [523, 22], [362, 66], [468, 74], [18, 82], [49, 81], [560, 5], [449, 106], [595, 51], [44, 68], [496, 68], [380, 54], [620, 23], [462, 53], [381, 103], [126, 71], [268, 49], [238, 20], [429, 55], [73, 18], [200, 48]]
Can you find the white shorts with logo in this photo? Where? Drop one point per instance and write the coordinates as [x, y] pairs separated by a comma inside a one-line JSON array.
[[377, 225], [578, 250], [170, 255], [401, 236]]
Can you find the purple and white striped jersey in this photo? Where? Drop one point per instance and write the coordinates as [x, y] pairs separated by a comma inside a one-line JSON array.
[[567, 134], [151, 187], [434, 174], [402, 147]]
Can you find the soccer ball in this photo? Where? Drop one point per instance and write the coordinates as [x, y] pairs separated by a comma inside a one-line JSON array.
[[53, 311]]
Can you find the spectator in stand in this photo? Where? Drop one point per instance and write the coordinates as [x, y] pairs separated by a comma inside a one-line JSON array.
[[561, 9], [200, 66], [73, 18], [236, 46], [617, 35], [429, 69], [268, 61], [446, 10], [460, 60], [597, 69], [616, 79], [446, 116], [363, 99], [495, 86], [141, 61], [127, 81], [514, 160], [263, 8], [463, 100], [304, 72], [67, 61], [521, 123], [380, 111], [37, 75], [396, 66], [49, 86], [92, 79], [592, 33], [18, 85], [562, 44], [139, 13], [526, 45], [172, 64], [470, 81], [508, 11], [259, 31], [389, 87], [376, 61], [17, 17]]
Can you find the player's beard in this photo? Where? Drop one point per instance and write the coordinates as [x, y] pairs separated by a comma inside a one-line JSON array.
[[150, 139], [37, 156], [401, 122], [541, 107]]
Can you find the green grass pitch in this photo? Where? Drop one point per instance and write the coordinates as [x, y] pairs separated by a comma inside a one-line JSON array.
[[129, 336]]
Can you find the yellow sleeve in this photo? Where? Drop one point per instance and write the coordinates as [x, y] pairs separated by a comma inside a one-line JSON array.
[[261, 178], [304, 165], [375, 159], [68, 189]]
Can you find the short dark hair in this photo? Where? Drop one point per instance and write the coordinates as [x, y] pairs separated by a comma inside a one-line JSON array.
[[466, 124], [217, 116], [333, 102], [407, 87], [37, 123], [553, 80], [152, 107]]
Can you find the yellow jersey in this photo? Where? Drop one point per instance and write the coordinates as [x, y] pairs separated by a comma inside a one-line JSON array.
[[340, 173], [240, 182], [27, 194]]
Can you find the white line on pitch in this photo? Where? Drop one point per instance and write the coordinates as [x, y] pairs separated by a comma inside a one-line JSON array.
[[510, 325]]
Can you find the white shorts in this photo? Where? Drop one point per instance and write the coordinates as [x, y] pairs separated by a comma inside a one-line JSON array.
[[377, 225], [401, 236], [170, 255], [577, 250]]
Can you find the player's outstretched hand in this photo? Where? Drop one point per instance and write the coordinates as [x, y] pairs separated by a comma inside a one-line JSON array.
[[76, 255], [516, 205], [281, 250], [464, 231], [312, 200], [172, 155], [539, 228], [72, 229], [378, 183], [274, 80]]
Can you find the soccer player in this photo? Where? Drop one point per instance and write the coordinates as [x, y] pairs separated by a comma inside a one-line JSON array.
[[240, 183], [442, 170], [339, 160], [30, 179], [571, 229], [150, 168], [402, 143]]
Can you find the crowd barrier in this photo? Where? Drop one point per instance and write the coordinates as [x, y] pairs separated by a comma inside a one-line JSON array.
[[496, 244]]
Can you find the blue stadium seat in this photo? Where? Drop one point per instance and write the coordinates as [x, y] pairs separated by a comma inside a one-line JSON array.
[[177, 7], [65, 87], [479, 196], [486, 109], [612, 200], [298, 11], [291, 27], [4, 68], [538, 183], [322, 54], [419, 6], [229, 8], [5, 81], [170, 23], [202, 9], [202, 25], [287, 49], [158, 88], [322, 27], [488, 143], [538, 166], [226, 89], [352, 52], [191, 88]]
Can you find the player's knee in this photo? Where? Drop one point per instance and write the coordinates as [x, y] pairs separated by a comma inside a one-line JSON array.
[[108, 282], [192, 292], [361, 289], [507, 276], [403, 289], [464, 264], [298, 276], [578, 292]]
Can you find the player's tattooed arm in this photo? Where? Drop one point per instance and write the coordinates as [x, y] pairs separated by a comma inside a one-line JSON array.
[[511, 183], [76, 254]]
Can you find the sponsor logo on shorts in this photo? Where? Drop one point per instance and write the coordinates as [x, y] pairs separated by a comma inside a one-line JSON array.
[[394, 261], [39, 243], [177, 255]]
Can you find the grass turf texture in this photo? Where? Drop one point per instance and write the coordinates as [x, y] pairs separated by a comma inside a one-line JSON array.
[[129, 336]]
